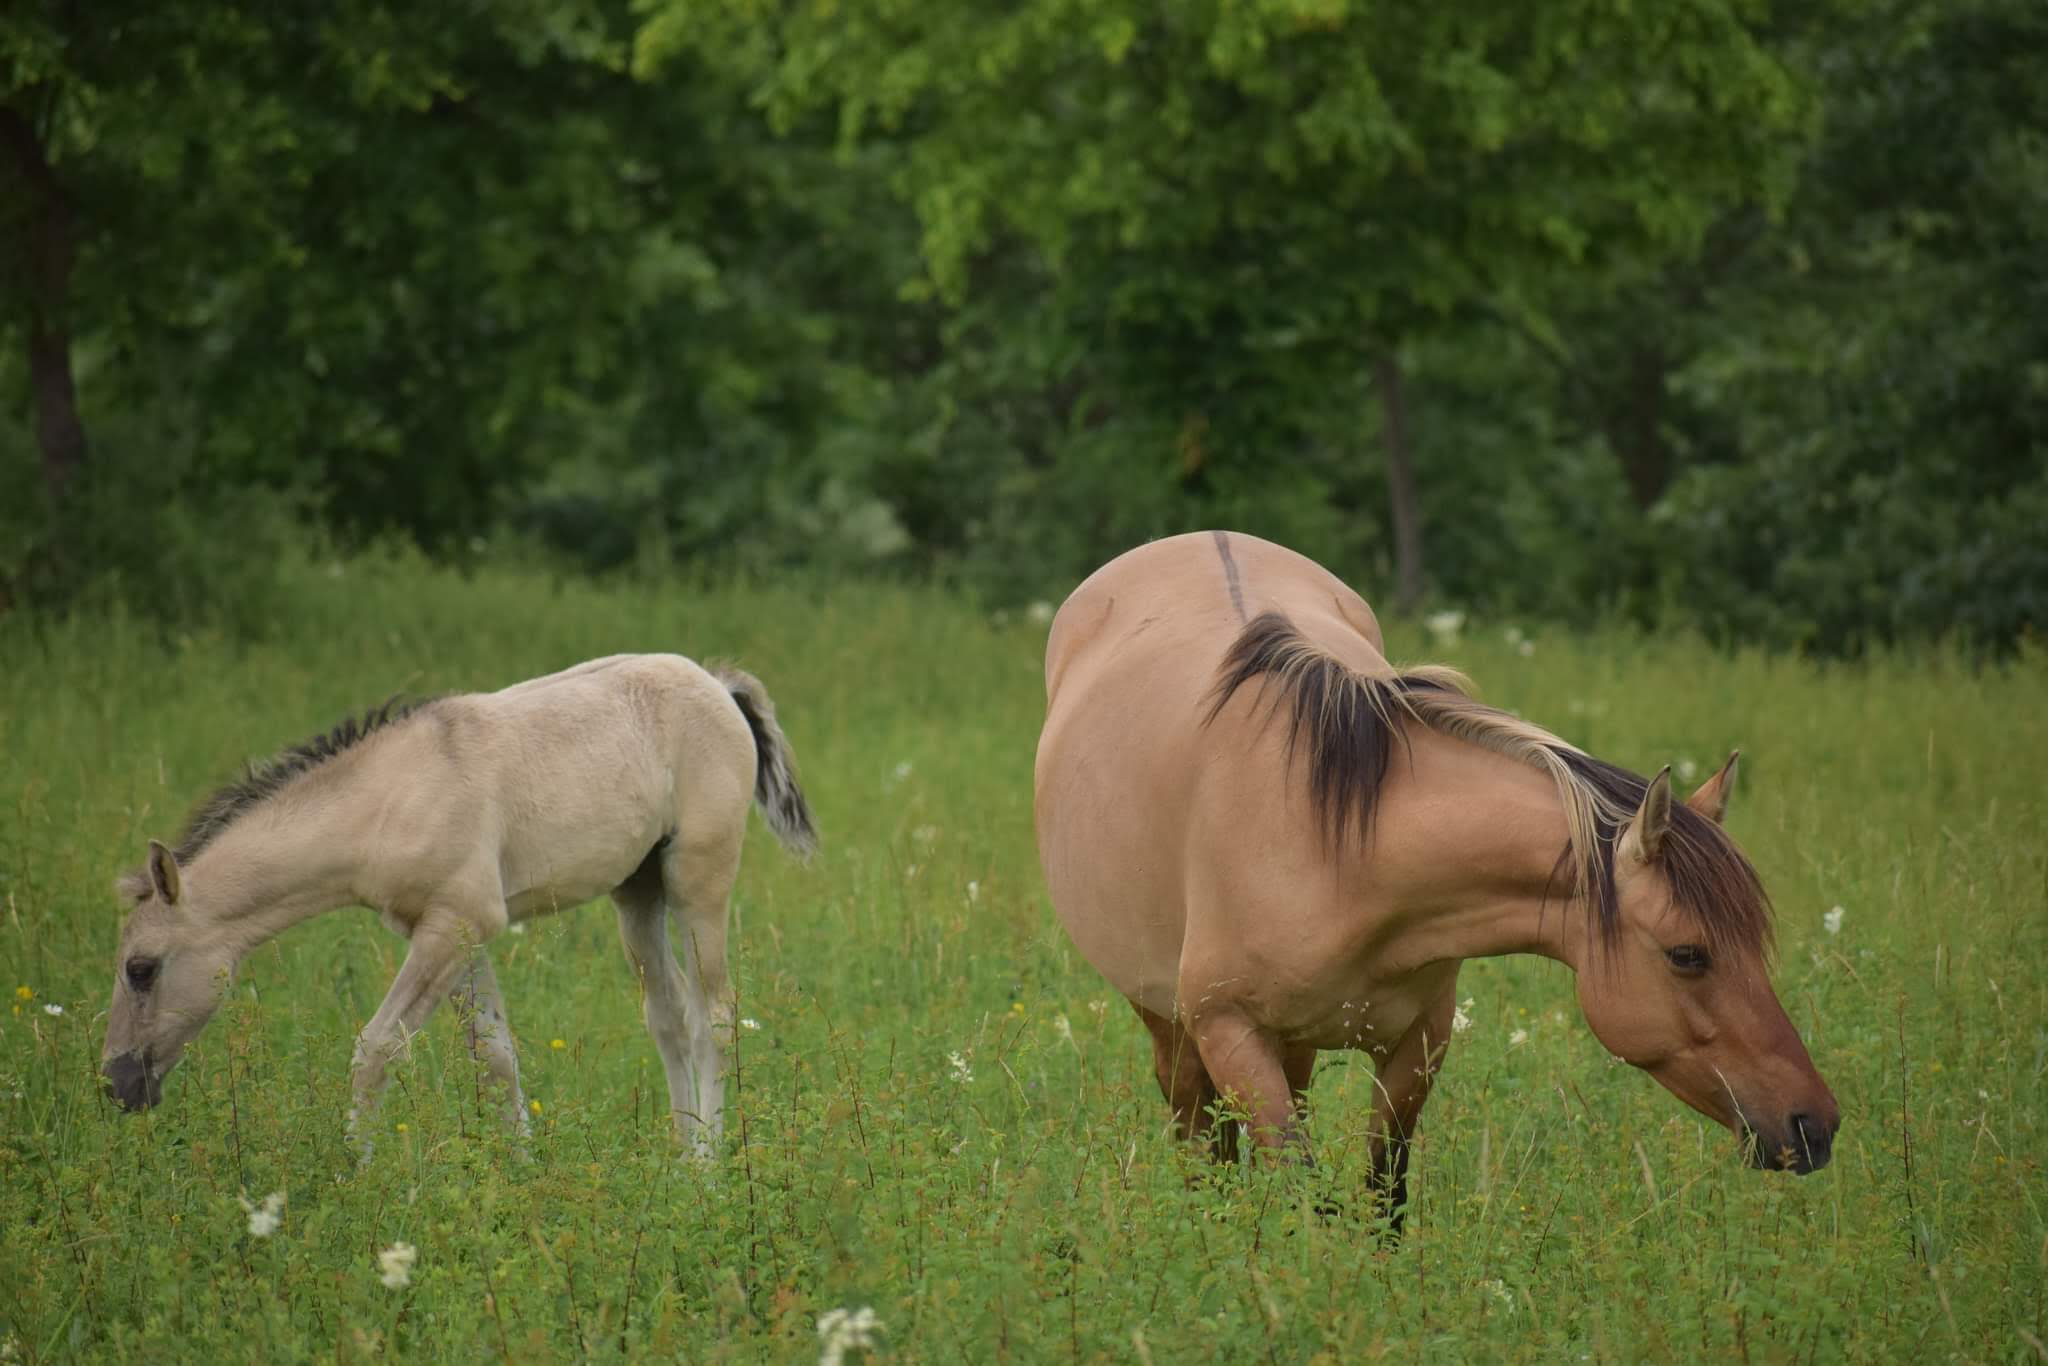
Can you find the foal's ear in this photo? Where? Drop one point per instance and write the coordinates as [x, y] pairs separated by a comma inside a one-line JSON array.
[[1643, 841], [1711, 800], [163, 872]]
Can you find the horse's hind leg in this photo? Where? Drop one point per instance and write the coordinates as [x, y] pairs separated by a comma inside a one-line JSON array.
[[643, 929], [482, 1010], [697, 879], [1189, 1092]]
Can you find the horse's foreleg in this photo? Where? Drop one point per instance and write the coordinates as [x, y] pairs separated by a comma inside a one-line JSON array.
[[1401, 1085], [431, 968], [1248, 1066], [482, 1009]]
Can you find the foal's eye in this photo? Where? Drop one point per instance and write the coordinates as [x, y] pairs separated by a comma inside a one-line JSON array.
[[1689, 959], [141, 972]]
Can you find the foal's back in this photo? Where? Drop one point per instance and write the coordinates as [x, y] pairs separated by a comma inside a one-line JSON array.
[[581, 774]]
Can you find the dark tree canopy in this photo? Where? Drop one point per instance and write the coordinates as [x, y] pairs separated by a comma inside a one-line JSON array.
[[1706, 313]]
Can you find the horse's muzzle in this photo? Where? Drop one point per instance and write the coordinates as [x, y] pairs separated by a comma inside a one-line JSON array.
[[131, 1082], [1804, 1145]]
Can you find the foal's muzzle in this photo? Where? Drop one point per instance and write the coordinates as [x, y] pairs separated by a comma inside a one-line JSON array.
[[131, 1082]]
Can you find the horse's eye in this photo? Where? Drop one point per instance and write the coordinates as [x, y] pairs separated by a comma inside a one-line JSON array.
[[141, 972], [1689, 959]]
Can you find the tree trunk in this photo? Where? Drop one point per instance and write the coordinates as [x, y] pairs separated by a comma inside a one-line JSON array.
[[1406, 507], [1636, 428], [40, 224]]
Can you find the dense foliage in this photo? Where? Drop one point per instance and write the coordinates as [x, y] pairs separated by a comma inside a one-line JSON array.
[[1709, 312]]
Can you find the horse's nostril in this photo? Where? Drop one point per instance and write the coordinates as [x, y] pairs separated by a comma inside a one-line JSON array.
[[1812, 1139]]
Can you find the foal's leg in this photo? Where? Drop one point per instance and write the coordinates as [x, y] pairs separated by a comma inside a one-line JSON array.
[[1189, 1092], [643, 929], [1401, 1085], [697, 880], [482, 1009], [432, 965]]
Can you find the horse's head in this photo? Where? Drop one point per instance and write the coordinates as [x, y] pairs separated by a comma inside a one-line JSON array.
[[1695, 1008], [169, 976]]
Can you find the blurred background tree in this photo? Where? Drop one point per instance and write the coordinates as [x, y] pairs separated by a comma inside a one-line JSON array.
[[1707, 314]]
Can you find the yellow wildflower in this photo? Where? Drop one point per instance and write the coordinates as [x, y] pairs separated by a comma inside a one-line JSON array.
[[556, 1043], [534, 1106], [25, 993]]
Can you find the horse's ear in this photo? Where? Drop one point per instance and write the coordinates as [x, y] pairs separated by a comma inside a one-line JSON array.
[[1643, 841], [163, 872], [1711, 800]]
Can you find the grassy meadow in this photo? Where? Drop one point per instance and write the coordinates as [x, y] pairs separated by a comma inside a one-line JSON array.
[[939, 1111]]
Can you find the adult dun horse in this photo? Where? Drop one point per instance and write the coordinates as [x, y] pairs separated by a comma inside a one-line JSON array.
[[1272, 842], [454, 819]]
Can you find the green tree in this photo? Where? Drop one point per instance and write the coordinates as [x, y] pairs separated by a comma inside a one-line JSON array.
[[1253, 208]]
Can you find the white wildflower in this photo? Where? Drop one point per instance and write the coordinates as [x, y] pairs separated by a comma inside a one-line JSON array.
[[264, 1218], [1039, 613], [1461, 1018], [1526, 648], [10, 1348], [924, 834], [394, 1265], [1832, 921], [1097, 1007], [515, 929], [962, 1073], [845, 1330], [1513, 635], [1500, 1292], [52, 1008], [750, 1022], [1518, 1038], [1444, 625], [1686, 770], [973, 892], [1064, 1027], [902, 770]]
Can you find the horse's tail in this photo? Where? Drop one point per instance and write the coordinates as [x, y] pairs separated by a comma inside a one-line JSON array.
[[775, 788]]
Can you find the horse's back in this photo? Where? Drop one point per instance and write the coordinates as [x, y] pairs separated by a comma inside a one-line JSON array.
[[1136, 790]]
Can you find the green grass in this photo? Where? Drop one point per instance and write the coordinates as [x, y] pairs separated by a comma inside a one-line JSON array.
[[1565, 1207]]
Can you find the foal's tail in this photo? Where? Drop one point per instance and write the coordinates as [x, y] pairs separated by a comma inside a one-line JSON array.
[[775, 789]]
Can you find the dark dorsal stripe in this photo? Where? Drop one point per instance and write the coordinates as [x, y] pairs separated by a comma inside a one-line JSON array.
[[1231, 579]]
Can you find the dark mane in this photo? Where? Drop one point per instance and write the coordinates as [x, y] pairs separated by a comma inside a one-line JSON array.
[[1346, 721], [1349, 721], [260, 782], [1713, 884]]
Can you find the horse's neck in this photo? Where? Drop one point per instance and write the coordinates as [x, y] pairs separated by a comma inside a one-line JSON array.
[[283, 862], [1465, 849]]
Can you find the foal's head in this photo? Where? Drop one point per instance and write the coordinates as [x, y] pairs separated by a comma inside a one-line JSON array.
[[169, 976], [1681, 989]]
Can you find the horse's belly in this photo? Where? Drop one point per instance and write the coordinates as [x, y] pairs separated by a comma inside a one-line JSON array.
[[1111, 852]]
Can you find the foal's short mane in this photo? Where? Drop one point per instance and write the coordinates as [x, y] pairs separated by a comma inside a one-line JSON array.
[[260, 782], [1348, 723]]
